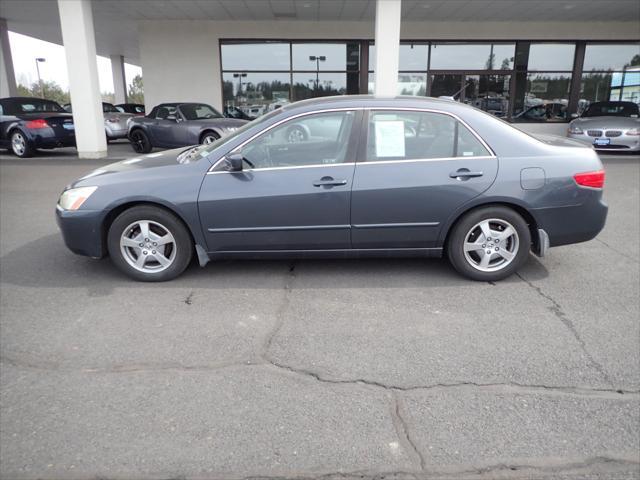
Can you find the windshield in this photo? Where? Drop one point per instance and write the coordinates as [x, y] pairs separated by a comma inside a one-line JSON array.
[[612, 109], [212, 146], [199, 111], [38, 106], [109, 108]]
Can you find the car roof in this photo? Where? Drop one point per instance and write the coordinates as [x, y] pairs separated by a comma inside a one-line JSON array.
[[370, 100]]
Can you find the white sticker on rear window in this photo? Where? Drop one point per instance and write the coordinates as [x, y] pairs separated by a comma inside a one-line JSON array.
[[467, 154], [389, 138]]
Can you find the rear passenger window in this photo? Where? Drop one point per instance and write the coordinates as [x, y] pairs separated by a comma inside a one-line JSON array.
[[407, 135]]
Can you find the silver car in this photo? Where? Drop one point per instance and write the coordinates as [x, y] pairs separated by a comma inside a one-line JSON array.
[[608, 126], [115, 121]]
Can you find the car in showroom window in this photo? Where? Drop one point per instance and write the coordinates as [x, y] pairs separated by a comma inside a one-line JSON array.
[[608, 126], [361, 176]]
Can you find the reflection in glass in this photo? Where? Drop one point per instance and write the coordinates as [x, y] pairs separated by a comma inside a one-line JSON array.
[[255, 93], [310, 85], [413, 56], [611, 57], [414, 84], [333, 56], [446, 85], [600, 87], [551, 56], [488, 92], [476, 56], [255, 56], [546, 97]]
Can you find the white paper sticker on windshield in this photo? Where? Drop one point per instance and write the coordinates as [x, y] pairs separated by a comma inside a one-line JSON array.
[[390, 138]]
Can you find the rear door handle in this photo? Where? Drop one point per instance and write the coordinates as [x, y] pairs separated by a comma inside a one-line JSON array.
[[328, 182], [465, 173]]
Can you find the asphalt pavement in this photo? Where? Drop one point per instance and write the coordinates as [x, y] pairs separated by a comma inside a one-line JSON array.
[[393, 368]]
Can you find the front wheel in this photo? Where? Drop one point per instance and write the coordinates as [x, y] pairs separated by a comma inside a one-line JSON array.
[[489, 244], [140, 141], [208, 138], [149, 244]]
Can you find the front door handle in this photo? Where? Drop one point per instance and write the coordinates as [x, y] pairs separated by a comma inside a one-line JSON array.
[[464, 173], [328, 182]]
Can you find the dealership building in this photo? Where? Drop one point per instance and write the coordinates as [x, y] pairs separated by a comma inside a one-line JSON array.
[[533, 63]]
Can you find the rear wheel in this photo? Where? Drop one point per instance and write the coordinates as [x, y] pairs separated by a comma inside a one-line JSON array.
[[149, 244], [140, 141], [489, 244], [20, 146]]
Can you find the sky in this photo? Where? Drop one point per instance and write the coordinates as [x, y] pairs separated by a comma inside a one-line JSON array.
[[25, 50]]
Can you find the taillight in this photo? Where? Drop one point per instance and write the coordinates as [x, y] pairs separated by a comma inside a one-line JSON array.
[[590, 179], [35, 124]]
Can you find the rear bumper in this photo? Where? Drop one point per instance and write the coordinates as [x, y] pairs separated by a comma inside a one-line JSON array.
[[573, 224], [115, 132], [44, 140], [81, 231]]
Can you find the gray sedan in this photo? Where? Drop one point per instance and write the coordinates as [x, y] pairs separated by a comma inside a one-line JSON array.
[[609, 126], [399, 176], [170, 125]]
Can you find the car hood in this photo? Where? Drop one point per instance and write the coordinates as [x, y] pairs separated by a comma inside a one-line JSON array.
[[606, 123], [183, 155]]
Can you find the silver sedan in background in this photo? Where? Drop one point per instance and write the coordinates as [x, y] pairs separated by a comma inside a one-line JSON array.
[[608, 126]]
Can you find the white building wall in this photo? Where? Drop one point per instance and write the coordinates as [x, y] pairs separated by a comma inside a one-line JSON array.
[[181, 58]]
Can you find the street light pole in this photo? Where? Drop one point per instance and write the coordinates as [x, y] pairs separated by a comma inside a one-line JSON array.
[[239, 76], [317, 59], [38, 60]]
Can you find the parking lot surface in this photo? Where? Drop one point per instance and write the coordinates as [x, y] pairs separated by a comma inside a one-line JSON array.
[[389, 368]]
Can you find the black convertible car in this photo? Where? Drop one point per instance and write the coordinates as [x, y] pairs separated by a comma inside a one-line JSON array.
[[27, 124], [171, 125]]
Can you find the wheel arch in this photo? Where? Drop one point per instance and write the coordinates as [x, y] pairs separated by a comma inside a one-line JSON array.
[[520, 209], [206, 130], [113, 213]]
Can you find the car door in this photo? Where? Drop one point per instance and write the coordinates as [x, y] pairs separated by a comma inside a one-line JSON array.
[[290, 195], [162, 126], [417, 168]]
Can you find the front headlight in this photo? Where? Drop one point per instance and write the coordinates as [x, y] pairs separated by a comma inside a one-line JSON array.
[[575, 130], [73, 198], [634, 131]]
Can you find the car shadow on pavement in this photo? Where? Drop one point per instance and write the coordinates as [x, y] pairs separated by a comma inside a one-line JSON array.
[[46, 263]]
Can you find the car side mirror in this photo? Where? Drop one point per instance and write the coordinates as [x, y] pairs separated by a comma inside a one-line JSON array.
[[234, 162]]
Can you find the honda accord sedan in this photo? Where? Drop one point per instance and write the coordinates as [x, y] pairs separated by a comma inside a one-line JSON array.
[[401, 176]]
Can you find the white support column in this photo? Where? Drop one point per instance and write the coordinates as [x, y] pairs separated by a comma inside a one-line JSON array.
[[387, 46], [76, 22], [7, 75], [119, 79]]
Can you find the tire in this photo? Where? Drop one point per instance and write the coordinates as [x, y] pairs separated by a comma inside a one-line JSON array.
[[20, 145], [297, 134], [167, 261], [468, 244], [209, 137], [140, 141]]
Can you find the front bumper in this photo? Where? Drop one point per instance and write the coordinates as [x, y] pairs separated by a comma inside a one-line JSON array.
[[82, 231], [623, 143]]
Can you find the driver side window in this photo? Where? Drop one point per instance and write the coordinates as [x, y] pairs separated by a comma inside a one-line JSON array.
[[316, 139]]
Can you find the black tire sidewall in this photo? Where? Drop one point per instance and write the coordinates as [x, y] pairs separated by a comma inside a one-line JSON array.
[[146, 144], [209, 134], [457, 238], [184, 244]]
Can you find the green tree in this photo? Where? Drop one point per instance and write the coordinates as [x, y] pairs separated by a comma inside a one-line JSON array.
[[136, 90], [50, 89]]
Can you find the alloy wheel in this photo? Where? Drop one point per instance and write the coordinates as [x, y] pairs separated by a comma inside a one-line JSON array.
[[148, 246], [491, 245], [18, 144], [296, 135], [138, 142]]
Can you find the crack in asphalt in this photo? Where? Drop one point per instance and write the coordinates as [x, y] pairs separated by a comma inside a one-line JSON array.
[[557, 310], [613, 249], [403, 432], [189, 299]]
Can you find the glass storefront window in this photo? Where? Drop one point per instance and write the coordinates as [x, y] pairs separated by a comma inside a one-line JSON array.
[[255, 56], [408, 83], [546, 98], [326, 56], [611, 57], [413, 56], [607, 86], [472, 56], [310, 85], [255, 93], [488, 92], [551, 56]]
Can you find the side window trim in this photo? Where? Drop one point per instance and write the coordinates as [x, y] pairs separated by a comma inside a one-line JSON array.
[[354, 140], [362, 152]]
